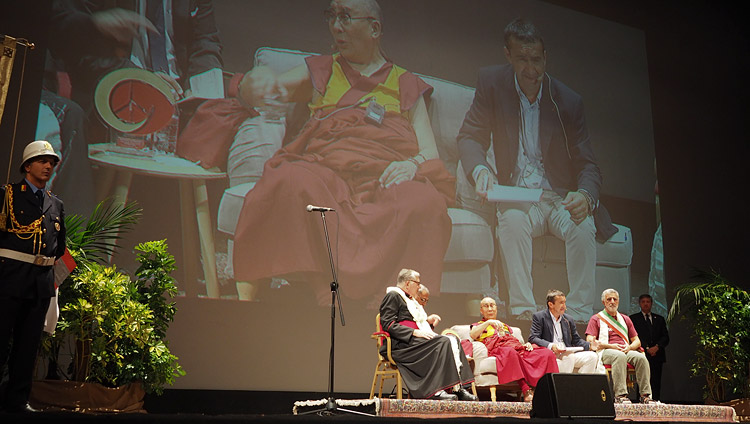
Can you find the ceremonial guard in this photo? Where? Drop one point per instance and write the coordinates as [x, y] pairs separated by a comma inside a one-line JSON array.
[[32, 237]]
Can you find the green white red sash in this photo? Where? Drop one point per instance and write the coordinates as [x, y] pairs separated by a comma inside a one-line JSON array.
[[616, 325]]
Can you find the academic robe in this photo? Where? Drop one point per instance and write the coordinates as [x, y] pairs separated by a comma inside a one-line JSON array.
[[426, 366]]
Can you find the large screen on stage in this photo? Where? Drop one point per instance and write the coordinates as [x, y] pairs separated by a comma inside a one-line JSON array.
[[228, 186]]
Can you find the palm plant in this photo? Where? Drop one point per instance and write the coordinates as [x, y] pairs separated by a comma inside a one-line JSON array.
[[95, 239], [720, 315]]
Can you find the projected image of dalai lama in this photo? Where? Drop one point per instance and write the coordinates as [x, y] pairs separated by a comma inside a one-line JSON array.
[[428, 362], [367, 151]]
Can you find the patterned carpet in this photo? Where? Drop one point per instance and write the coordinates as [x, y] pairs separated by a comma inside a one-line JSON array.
[[419, 408], [632, 412]]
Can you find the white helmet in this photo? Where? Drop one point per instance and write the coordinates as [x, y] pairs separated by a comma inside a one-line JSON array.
[[38, 148]]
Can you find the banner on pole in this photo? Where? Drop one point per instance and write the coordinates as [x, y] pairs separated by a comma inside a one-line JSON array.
[[6, 69]]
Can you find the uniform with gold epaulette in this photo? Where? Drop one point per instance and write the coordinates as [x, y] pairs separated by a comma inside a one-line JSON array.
[[32, 236]]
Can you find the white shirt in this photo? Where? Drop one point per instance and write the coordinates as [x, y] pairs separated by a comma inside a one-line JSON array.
[[529, 171], [557, 330]]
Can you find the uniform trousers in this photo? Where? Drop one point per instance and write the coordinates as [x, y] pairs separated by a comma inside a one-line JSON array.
[[21, 320]]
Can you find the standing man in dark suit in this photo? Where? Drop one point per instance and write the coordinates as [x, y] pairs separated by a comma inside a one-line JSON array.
[[32, 237], [537, 128], [652, 330], [556, 330]]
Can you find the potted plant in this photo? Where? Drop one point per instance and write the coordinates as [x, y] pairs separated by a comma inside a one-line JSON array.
[[720, 317], [114, 326]]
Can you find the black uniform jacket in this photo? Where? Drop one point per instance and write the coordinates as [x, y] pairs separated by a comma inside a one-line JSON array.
[[22, 279]]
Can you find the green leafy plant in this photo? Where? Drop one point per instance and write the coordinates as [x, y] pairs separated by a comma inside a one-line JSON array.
[[720, 315], [116, 325]]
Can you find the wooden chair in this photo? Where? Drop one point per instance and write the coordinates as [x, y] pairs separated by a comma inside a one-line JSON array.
[[386, 367]]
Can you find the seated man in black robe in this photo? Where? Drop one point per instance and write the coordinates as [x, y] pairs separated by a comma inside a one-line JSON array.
[[429, 363]]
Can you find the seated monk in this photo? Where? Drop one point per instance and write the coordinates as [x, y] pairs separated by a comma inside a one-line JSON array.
[[367, 151], [429, 363], [524, 363]]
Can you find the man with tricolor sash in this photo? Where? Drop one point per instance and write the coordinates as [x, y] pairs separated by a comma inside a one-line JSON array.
[[619, 346]]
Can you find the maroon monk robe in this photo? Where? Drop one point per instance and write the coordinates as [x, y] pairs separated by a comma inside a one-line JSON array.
[[533, 364], [336, 162]]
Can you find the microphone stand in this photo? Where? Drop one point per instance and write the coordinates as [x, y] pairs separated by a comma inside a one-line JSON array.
[[331, 407]]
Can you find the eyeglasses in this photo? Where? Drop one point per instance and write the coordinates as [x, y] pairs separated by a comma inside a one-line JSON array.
[[344, 17]]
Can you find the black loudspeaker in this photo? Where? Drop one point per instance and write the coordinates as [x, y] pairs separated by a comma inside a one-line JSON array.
[[573, 396]]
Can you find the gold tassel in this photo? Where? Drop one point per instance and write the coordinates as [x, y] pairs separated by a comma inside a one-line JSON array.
[[3, 213]]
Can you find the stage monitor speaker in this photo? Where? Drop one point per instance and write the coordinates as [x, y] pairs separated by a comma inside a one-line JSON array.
[[561, 395]]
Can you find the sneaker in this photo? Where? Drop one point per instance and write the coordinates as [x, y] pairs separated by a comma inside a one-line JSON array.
[[649, 400], [622, 399]]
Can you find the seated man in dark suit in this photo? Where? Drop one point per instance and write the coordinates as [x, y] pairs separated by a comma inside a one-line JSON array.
[[556, 330], [536, 127], [652, 330]]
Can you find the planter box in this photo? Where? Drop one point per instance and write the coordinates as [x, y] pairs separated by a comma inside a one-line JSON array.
[[741, 407], [59, 395]]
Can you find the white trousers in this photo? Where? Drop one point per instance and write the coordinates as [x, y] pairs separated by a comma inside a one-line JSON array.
[[585, 362], [518, 224]]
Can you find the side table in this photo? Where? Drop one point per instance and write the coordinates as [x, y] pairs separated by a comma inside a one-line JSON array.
[[193, 195]]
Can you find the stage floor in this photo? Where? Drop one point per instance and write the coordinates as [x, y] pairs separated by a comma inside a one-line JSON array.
[[212, 406]]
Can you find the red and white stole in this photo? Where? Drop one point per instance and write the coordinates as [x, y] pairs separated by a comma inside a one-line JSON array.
[[416, 310]]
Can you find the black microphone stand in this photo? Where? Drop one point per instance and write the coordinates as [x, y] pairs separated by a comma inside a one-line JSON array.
[[331, 406]]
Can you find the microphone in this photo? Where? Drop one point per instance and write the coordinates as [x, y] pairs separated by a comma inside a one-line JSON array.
[[311, 208]]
